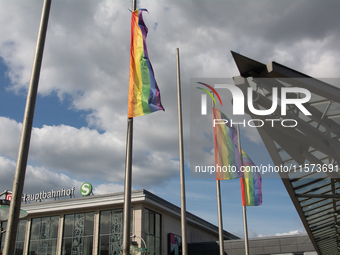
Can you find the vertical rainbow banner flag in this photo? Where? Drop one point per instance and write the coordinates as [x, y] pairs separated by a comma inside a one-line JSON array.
[[227, 156], [251, 184], [144, 96]]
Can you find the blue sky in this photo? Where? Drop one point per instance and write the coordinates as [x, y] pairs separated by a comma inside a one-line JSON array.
[[80, 118]]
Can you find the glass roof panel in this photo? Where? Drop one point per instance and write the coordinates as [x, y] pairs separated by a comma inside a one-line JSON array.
[[316, 98], [297, 175], [277, 145], [317, 218], [284, 155], [334, 109], [312, 185], [335, 118], [319, 211], [316, 202], [324, 231], [326, 190], [306, 177], [322, 106], [310, 202], [318, 154]]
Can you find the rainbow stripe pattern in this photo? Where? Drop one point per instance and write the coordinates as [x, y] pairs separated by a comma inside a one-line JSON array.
[[144, 95], [251, 184], [227, 156]]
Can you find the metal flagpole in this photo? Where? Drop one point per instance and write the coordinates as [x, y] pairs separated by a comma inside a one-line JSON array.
[[20, 171], [219, 211], [128, 181], [245, 227], [127, 189], [181, 160]]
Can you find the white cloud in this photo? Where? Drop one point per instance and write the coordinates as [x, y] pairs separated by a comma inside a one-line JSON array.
[[10, 137], [37, 178], [293, 232], [106, 188], [85, 153]]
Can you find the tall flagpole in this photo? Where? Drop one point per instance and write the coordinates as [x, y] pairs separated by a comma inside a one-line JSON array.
[[20, 171], [127, 189], [181, 161], [245, 227], [128, 181], [219, 210], [219, 213]]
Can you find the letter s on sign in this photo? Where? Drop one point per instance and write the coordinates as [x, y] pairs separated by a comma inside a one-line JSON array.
[[85, 189]]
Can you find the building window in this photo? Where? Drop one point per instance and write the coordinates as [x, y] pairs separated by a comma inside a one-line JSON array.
[[19, 243], [111, 232], [152, 229], [43, 236], [78, 234]]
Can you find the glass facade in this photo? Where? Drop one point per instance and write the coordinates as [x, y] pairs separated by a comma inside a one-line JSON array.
[[78, 234], [19, 244], [110, 232], [43, 236], [152, 229], [101, 233]]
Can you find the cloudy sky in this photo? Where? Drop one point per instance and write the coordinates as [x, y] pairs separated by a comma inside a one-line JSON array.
[[81, 111]]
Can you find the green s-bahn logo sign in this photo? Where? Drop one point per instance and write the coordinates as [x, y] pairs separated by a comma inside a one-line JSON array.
[[85, 189]]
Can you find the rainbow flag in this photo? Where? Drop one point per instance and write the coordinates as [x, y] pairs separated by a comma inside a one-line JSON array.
[[251, 184], [227, 156], [144, 96]]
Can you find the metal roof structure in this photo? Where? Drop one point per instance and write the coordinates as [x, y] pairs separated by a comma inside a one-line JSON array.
[[310, 150]]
